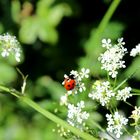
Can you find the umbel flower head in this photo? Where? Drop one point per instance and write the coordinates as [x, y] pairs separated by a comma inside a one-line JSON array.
[[136, 115], [10, 45], [102, 92], [76, 117], [111, 59], [124, 94], [116, 123]]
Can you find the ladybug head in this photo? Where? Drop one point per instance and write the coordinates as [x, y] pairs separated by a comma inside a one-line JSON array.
[[71, 76]]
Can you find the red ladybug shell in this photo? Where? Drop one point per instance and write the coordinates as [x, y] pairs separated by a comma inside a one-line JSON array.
[[69, 84]]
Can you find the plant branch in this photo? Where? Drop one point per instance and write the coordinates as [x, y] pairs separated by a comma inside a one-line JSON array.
[[47, 114]]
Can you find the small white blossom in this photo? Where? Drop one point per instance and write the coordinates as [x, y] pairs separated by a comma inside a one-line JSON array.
[[17, 54], [116, 123], [10, 45], [82, 87], [135, 51], [65, 77], [76, 117], [124, 94], [81, 104], [102, 92], [64, 100], [111, 59], [120, 41], [136, 114], [69, 92], [84, 73], [5, 53], [106, 43], [74, 73]]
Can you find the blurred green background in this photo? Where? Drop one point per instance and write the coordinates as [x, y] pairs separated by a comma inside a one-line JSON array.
[[56, 37]]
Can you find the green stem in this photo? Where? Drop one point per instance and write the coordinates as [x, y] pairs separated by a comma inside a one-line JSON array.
[[102, 129], [98, 126], [136, 90], [129, 104], [136, 94], [105, 20], [127, 131], [130, 76], [115, 82], [108, 77], [125, 80], [96, 35], [107, 17], [49, 115]]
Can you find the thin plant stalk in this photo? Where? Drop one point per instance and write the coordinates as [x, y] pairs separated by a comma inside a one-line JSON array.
[[106, 19], [47, 114]]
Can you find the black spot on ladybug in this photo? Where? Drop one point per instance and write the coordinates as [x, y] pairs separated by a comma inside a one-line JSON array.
[[68, 85], [73, 84]]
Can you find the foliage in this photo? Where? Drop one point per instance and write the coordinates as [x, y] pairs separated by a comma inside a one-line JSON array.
[[56, 37]]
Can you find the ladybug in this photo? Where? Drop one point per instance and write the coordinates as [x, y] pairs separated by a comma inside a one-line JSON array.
[[69, 82]]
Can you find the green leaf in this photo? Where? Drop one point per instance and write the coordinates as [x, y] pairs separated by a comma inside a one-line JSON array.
[[47, 34], [15, 10], [57, 12], [43, 5], [42, 9], [133, 67], [29, 30], [7, 73], [51, 86], [42, 24], [113, 30]]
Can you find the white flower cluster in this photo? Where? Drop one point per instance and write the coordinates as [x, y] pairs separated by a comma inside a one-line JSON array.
[[102, 92], [76, 117], [111, 59], [124, 93], [78, 77], [116, 123], [135, 51], [136, 115], [10, 45]]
